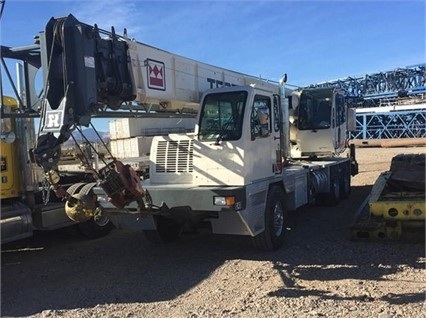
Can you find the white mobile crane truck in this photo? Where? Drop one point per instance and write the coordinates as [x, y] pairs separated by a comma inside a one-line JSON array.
[[252, 157]]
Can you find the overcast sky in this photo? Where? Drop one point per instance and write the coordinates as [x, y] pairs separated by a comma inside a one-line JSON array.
[[311, 41]]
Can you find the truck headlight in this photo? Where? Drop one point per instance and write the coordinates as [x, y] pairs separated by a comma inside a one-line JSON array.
[[224, 200]]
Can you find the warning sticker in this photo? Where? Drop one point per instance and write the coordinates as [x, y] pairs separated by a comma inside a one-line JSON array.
[[89, 61], [3, 164]]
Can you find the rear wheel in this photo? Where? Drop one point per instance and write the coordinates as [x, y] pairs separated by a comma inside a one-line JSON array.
[[168, 230], [345, 186], [272, 238], [333, 197]]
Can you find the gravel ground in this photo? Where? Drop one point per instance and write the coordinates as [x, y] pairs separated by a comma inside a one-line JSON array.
[[320, 272]]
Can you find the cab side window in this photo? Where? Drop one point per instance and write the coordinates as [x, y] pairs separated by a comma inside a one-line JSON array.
[[340, 109], [260, 120]]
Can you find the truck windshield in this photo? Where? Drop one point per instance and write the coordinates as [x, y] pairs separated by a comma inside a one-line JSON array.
[[221, 116], [314, 111]]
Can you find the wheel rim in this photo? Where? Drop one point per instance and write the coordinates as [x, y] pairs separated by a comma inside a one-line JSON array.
[[101, 220], [278, 219]]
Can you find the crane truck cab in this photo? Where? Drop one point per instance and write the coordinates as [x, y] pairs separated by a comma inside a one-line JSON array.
[[319, 122], [10, 179], [15, 216], [235, 171]]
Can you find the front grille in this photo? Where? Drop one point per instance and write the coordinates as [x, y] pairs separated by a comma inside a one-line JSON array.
[[174, 156]]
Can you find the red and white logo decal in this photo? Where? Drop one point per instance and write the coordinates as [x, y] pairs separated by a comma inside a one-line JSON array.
[[156, 75]]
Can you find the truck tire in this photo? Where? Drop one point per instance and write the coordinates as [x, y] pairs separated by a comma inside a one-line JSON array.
[[345, 186], [94, 229], [408, 173], [332, 197], [167, 231], [276, 216], [408, 162]]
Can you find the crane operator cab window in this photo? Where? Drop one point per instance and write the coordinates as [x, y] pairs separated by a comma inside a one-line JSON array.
[[340, 110], [260, 120], [314, 111], [221, 116]]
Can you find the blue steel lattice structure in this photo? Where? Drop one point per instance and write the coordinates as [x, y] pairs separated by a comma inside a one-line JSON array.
[[368, 90], [389, 105], [385, 123]]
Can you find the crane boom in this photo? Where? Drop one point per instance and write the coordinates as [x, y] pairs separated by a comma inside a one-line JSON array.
[[174, 82], [85, 72]]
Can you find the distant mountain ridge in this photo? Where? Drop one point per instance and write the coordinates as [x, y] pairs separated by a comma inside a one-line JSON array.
[[90, 135]]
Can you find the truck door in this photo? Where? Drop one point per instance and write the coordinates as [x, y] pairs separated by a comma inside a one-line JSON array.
[[265, 141]]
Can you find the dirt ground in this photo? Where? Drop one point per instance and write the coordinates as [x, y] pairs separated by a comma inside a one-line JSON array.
[[319, 272]]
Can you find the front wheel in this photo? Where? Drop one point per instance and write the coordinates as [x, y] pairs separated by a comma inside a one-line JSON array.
[[276, 216]]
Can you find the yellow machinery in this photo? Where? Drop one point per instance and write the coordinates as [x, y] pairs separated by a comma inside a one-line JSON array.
[[26, 203], [10, 174], [395, 207], [15, 214]]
